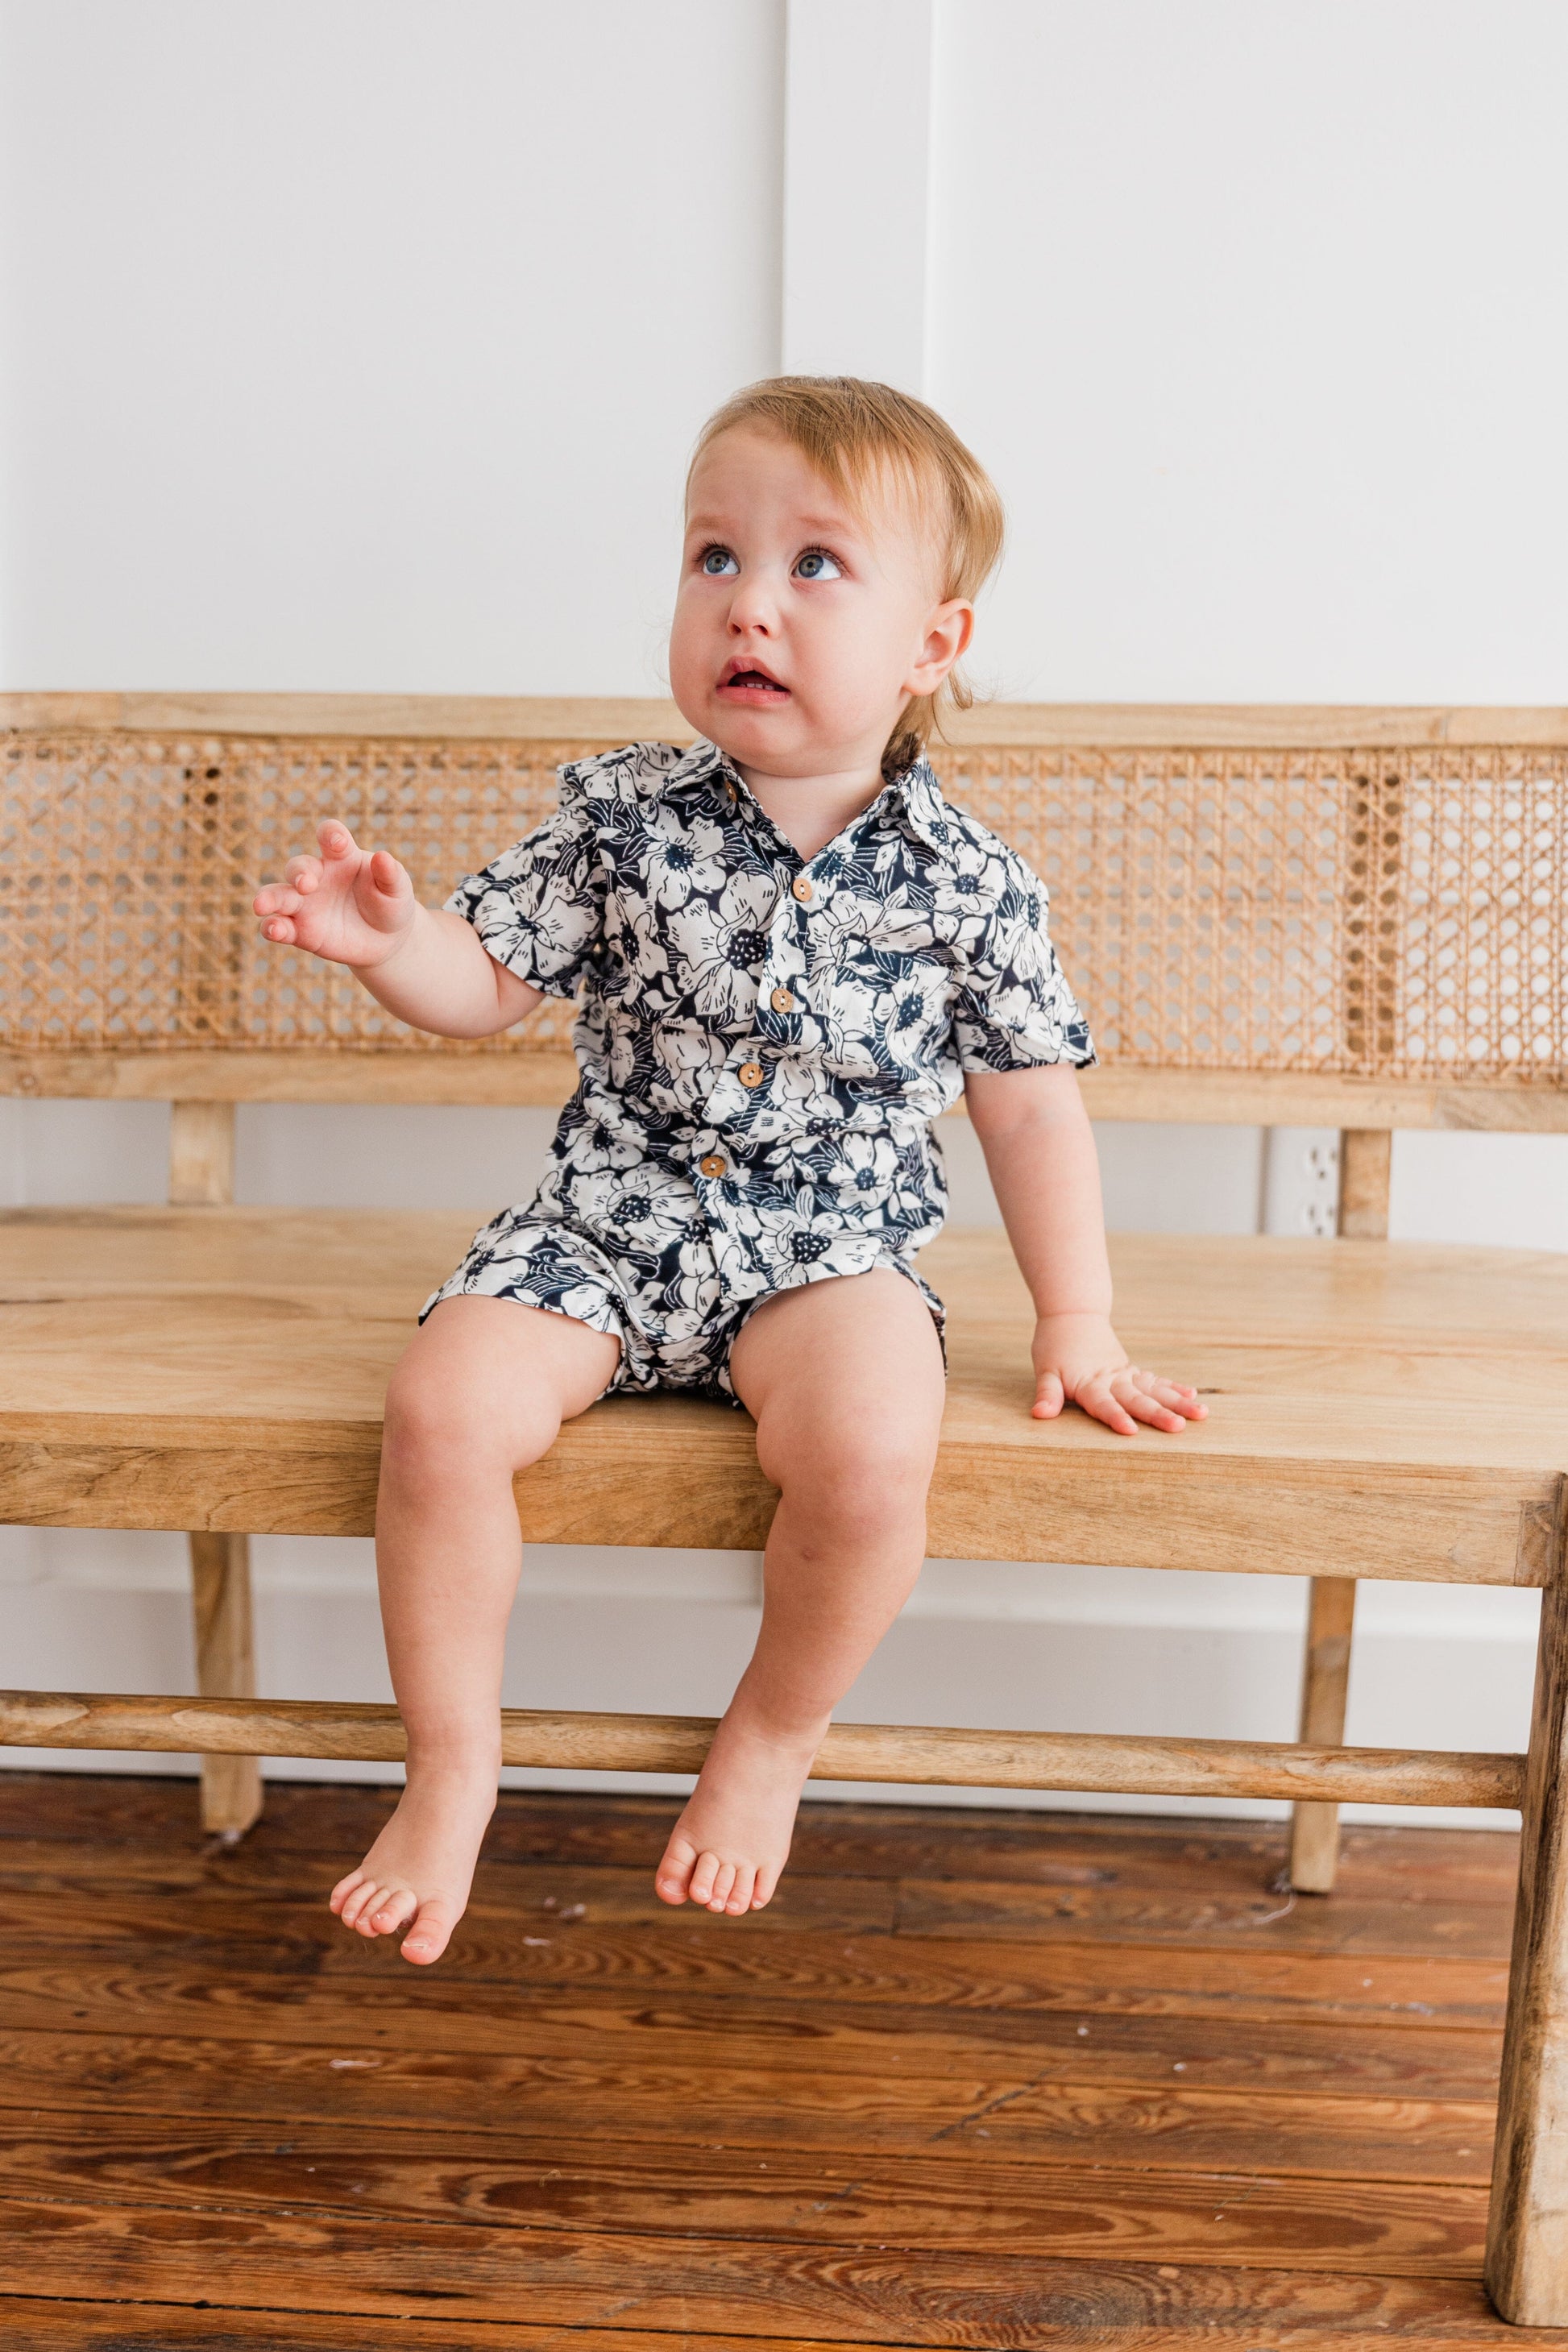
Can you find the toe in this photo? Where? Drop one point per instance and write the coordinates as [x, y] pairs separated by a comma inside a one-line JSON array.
[[359, 1896], [705, 1872], [723, 1880], [364, 1918], [672, 1880], [764, 1891], [739, 1898], [343, 1889], [391, 1915], [430, 1935]]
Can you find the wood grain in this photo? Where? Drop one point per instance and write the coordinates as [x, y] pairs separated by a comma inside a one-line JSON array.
[[35, 2323], [964, 2198], [517, 718], [481, 718], [201, 1154], [303, 1075], [909, 1755], [1365, 1168], [883, 2291], [225, 1668], [1165, 2124], [1198, 1908], [145, 1819], [1321, 1362], [871, 1967], [1325, 1684], [1527, 2249], [1096, 2097], [546, 1077], [1415, 2047]]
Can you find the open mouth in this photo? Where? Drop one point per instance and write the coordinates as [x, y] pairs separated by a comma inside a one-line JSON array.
[[748, 684]]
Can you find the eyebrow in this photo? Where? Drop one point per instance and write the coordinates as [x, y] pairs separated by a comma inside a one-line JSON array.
[[836, 526]]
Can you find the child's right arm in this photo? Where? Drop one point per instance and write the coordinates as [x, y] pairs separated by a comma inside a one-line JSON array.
[[357, 906]]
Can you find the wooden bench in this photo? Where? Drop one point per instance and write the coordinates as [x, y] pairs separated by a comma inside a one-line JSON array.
[[1353, 918]]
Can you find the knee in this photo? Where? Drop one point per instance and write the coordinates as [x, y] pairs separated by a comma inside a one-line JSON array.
[[437, 1427], [860, 1484]]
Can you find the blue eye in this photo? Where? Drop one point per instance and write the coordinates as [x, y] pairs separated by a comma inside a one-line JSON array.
[[818, 564], [717, 562]]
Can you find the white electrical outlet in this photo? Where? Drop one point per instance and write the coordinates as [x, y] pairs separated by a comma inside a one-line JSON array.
[[1302, 1180]]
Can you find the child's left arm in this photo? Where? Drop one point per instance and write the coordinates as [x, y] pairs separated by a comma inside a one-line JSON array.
[[1039, 1149]]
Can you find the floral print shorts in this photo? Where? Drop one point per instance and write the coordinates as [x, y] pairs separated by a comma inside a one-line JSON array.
[[675, 1335]]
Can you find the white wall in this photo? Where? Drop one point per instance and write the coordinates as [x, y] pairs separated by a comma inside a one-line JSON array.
[[1256, 313], [360, 345]]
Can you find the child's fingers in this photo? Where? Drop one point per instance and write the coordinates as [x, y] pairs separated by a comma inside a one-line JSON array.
[[389, 877], [1130, 1388], [1050, 1396], [280, 932], [1177, 1394], [335, 838], [277, 898], [303, 873], [1099, 1399], [1146, 1408]]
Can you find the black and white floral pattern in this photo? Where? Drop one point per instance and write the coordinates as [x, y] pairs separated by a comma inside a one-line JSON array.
[[764, 1041]]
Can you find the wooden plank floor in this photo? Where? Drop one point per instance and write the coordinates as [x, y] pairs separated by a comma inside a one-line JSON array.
[[977, 2078]]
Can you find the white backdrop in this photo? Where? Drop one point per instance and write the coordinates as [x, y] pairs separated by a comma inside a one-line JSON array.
[[359, 344]]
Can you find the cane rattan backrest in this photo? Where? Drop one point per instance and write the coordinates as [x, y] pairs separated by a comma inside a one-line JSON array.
[[1389, 914]]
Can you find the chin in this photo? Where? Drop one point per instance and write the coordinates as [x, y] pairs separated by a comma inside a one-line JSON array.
[[750, 735]]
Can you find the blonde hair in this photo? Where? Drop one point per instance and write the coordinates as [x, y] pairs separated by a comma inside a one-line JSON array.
[[857, 434]]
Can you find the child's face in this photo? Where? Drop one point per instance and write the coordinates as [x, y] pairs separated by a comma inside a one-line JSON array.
[[804, 625]]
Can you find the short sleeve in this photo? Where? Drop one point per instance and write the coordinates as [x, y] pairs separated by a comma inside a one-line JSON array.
[[539, 907], [1016, 1011]]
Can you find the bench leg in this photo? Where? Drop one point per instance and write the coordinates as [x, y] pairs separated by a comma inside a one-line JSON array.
[[1325, 1678], [201, 1154], [225, 1668], [1366, 1159], [1527, 2240]]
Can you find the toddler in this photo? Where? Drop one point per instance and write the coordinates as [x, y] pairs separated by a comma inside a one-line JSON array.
[[791, 954]]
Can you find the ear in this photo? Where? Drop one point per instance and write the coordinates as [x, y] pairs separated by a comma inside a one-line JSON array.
[[948, 630]]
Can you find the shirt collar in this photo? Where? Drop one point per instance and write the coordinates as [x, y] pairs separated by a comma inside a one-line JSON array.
[[916, 794], [703, 764], [920, 795]]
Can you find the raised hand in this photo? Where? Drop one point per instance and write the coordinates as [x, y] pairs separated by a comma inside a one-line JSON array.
[[1079, 1360], [351, 904]]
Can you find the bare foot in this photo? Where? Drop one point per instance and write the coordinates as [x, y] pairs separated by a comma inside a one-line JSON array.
[[729, 1844], [418, 1874]]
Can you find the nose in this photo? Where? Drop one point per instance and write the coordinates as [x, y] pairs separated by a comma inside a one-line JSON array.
[[753, 609]]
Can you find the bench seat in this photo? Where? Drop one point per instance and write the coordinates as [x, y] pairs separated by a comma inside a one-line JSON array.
[[222, 1369]]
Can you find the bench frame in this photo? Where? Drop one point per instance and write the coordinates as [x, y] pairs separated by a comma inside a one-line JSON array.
[[1527, 2261]]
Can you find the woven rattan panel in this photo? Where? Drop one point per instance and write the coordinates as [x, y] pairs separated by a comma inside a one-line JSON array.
[[1393, 915]]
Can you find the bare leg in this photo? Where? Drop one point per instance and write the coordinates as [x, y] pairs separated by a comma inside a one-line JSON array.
[[845, 1381], [481, 1392]]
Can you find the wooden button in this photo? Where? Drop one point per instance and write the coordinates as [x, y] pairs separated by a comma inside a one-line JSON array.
[[782, 1000], [712, 1164], [750, 1074], [802, 888]]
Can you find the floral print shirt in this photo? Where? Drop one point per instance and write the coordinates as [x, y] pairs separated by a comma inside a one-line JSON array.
[[777, 1034]]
